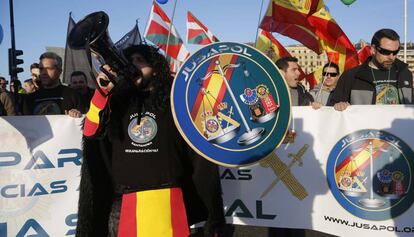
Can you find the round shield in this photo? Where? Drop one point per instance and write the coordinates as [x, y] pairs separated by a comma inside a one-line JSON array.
[[231, 104]]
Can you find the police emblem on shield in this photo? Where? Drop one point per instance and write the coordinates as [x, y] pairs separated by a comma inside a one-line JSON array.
[[370, 174], [231, 104]]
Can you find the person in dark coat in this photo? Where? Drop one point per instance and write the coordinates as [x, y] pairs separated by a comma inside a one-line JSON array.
[[381, 79], [131, 147]]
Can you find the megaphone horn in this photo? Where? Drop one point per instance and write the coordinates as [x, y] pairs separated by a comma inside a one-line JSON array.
[[92, 32]]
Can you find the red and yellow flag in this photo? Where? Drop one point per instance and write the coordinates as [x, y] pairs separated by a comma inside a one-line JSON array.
[[289, 18], [364, 53], [268, 44], [315, 77], [308, 22], [153, 213], [339, 48]]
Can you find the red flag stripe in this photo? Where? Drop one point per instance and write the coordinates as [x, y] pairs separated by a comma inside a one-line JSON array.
[[178, 214], [128, 218]]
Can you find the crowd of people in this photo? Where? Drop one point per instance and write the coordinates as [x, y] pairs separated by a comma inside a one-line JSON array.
[[381, 79], [111, 169], [43, 93]]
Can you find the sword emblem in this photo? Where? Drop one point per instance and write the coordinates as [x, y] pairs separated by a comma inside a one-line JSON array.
[[282, 172]]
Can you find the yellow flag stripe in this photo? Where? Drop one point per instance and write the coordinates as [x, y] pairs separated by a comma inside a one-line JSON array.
[[154, 218], [93, 113]]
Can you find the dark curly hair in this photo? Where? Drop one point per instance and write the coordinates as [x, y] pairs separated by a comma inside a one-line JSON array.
[[161, 82]]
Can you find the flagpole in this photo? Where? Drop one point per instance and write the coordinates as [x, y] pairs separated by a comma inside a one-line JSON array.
[[169, 31], [258, 23], [405, 31], [66, 51]]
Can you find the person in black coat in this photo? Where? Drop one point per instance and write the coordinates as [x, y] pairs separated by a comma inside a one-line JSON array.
[[131, 145]]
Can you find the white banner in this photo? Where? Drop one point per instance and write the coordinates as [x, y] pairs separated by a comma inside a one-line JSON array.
[[346, 173], [39, 175], [335, 186]]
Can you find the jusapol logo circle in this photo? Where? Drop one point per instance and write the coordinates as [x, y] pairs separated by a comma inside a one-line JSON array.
[[143, 132], [370, 174], [231, 104]]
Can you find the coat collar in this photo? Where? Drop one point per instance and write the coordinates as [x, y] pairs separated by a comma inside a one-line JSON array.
[[364, 71]]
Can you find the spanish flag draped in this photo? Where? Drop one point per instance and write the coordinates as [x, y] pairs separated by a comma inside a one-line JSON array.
[[338, 47], [308, 22], [289, 18], [153, 213]]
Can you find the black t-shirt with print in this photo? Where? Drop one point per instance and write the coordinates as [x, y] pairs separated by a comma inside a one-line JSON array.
[[148, 154], [385, 82], [51, 101]]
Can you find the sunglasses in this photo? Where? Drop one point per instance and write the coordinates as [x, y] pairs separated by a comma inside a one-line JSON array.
[[330, 74], [386, 51]]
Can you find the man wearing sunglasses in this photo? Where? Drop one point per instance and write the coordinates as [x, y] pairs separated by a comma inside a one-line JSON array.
[[323, 92], [381, 79]]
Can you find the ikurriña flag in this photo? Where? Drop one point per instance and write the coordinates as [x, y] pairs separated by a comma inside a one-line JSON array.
[[197, 32], [157, 32]]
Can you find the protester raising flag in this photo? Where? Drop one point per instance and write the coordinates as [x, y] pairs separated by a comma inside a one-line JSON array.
[[157, 32], [76, 60], [268, 44], [131, 38], [289, 18], [197, 33]]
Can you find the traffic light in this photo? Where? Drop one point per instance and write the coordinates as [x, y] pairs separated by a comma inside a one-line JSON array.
[[14, 62]]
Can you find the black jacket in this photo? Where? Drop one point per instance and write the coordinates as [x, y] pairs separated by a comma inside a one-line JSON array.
[[304, 98], [356, 85]]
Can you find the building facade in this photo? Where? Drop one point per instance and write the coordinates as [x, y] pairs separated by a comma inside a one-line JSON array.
[[308, 60]]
